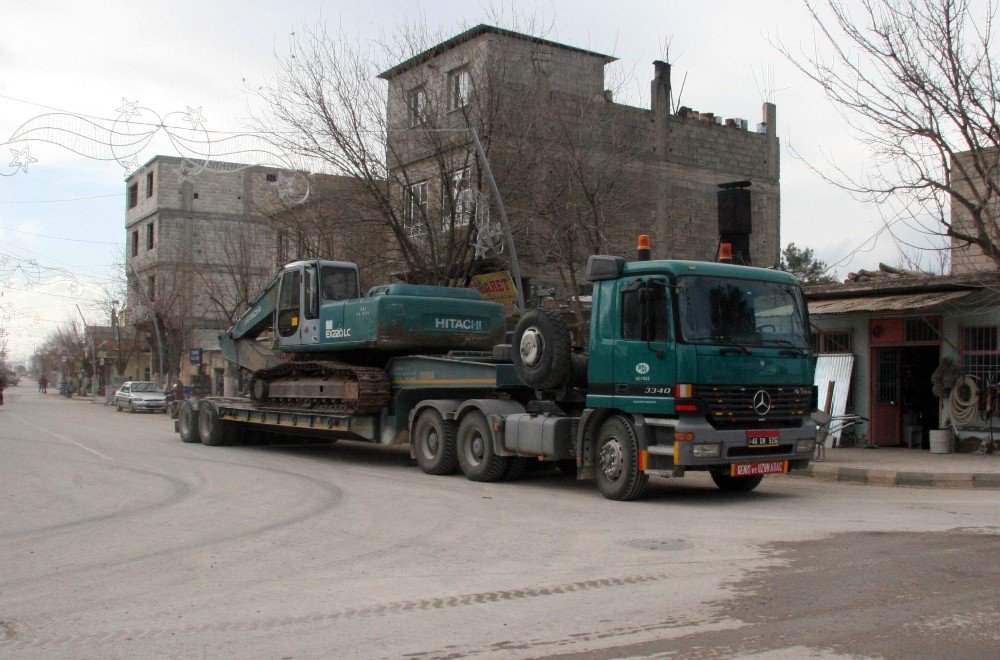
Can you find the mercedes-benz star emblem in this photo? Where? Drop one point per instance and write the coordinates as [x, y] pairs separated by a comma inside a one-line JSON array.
[[762, 402]]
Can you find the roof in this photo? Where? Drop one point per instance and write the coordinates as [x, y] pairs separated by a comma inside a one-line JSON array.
[[711, 268], [903, 284], [471, 34], [886, 303]]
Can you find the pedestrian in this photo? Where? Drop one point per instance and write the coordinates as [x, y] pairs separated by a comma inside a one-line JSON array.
[[43, 384], [3, 385]]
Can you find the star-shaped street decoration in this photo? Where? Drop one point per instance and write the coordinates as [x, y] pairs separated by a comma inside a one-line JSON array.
[[186, 172], [21, 160], [128, 109], [286, 187], [194, 116], [129, 165]]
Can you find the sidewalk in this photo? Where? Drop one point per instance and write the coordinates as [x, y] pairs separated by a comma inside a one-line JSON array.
[[895, 466]]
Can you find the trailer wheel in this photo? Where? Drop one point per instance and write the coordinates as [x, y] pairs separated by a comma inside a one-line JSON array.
[[732, 484], [475, 450], [617, 460], [434, 443], [542, 350], [187, 423], [516, 467], [214, 432]]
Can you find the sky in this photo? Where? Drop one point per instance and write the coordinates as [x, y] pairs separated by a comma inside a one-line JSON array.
[[62, 218]]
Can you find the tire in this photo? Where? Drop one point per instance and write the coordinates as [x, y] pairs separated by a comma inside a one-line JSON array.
[[475, 450], [187, 423], [567, 467], [617, 460], [118, 406], [131, 407], [516, 467], [434, 443], [732, 484], [543, 351], [213, 431]]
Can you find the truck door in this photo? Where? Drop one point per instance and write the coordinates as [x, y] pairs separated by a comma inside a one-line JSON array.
[[644, 364], [289, 308]]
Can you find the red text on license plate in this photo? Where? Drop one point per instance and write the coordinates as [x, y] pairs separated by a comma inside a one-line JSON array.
[[754, 469]]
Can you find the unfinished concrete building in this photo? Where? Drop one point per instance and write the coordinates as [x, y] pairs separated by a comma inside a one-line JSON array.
[[579, 173]]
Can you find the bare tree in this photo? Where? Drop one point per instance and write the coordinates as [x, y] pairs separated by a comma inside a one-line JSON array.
[[328, 105], [916, 82]]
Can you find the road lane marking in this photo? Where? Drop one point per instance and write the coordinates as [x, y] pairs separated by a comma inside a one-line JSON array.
[[61, 437]]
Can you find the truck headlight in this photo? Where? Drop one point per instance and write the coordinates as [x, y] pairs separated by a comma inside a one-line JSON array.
[[804, 445], [706, 451]]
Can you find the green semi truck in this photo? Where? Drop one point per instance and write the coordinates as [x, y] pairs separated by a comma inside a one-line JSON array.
[[691, 366]]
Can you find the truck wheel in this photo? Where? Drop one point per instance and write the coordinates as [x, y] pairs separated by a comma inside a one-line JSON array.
[[213, 431], [732, 484], [475, 450], [617, 461], [542, 350], [187, 423], [516, 467], [434, 443]]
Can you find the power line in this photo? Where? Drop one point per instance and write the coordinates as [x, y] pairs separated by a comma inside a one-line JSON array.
[[52, 201], [46, 293], [58, 238]]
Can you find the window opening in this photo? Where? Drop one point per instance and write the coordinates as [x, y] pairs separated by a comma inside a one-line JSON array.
[[149, 184], [460, 88], [415, 209], [416, 105], [133, 195], [338, 283], [980, 352], [288, 303]]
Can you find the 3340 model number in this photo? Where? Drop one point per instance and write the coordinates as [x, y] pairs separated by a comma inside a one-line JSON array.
[[663, 391]]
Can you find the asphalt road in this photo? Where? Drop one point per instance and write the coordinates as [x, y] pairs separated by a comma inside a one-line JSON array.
[[118, 540]]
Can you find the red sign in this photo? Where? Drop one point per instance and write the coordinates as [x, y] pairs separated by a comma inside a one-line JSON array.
[[754, 469]]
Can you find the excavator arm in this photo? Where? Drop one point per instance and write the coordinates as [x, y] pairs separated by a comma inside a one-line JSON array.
[[239, 343]]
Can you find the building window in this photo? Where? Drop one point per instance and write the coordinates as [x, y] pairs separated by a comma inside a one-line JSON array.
[[455, 204], [135, 243], [459, 87], [836, 341], [149, 184], [151, 287], [980, 351], [416, 105], [133, 195], [150, 236], [923, 330], [271, 178], [415, 209], [282, 249]]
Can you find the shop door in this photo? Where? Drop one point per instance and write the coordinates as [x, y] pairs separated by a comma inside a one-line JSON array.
[[886, 410]]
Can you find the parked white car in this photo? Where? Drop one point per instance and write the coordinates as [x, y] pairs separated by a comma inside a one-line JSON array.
[[139, 395]]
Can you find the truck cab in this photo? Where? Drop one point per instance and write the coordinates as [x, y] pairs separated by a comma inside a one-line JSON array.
[[709, 363]]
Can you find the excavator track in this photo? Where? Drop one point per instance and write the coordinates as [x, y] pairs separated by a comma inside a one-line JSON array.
[[321, 386]]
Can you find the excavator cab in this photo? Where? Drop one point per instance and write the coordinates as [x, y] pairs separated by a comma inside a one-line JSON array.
[[303, 288]]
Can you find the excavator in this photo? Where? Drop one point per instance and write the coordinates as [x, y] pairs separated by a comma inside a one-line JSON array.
[[331, 344]]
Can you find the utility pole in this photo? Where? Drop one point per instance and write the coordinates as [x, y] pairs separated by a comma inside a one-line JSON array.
[[515, 265]]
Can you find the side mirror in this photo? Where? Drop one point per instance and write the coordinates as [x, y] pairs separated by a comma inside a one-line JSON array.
[[821, 417]]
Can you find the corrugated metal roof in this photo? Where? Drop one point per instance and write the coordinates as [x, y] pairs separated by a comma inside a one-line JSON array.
[[895, 303]]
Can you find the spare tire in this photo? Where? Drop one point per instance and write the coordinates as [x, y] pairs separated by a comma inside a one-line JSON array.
[[542, 350]]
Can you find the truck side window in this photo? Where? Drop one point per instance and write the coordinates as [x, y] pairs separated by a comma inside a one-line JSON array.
[[338, 283], [288, 303], [312, 294], [633, 312]]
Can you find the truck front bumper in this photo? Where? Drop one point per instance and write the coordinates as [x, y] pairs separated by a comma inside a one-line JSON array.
[[710, 448]]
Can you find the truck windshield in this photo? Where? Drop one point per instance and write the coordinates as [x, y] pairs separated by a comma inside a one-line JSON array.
[[747, 312]]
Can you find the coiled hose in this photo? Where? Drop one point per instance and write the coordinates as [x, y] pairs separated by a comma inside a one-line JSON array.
[[964, 402]]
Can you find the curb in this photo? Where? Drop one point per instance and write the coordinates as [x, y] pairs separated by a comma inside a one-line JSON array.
[[876, 477]]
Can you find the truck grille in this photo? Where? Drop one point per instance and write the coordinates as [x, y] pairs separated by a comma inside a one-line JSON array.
[[732, 406]]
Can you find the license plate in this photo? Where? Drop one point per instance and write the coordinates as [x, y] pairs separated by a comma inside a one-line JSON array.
[[762, 438], [754, 469]]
